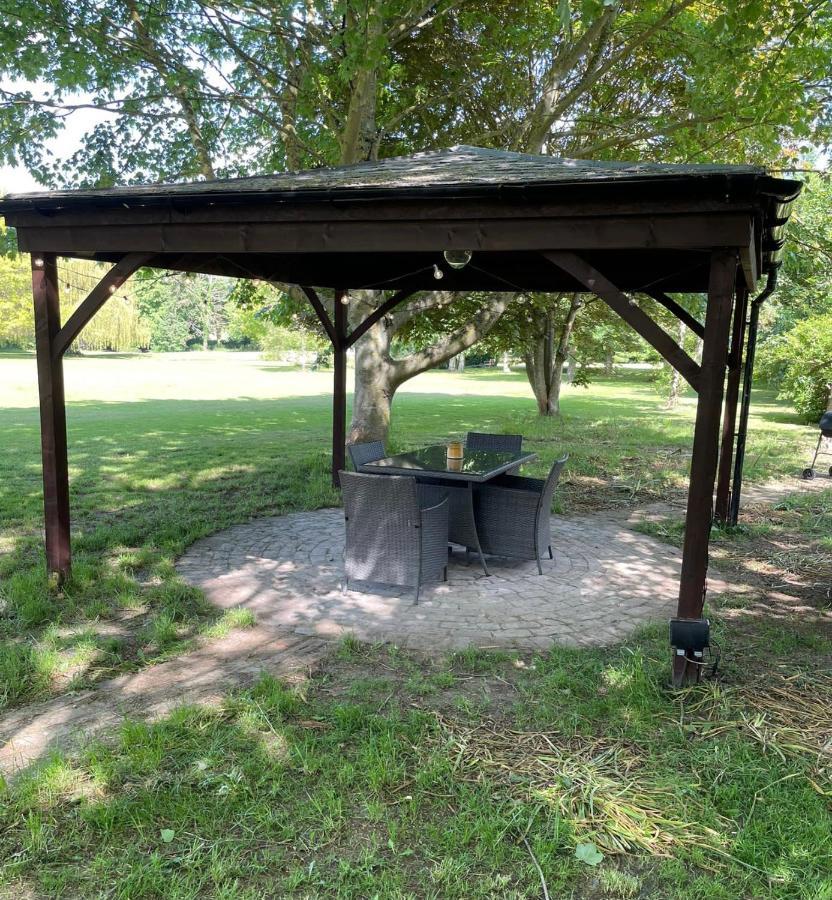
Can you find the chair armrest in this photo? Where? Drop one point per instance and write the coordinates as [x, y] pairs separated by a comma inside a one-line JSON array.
[[516, 482], [505, 497]]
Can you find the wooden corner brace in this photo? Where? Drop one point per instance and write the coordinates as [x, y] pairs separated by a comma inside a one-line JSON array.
[[657, 337], [97, 297]]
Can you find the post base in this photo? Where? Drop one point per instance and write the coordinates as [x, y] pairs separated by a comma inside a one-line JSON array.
[[686, 670]]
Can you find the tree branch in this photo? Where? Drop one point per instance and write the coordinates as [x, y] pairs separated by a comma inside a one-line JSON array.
[[450, 345]]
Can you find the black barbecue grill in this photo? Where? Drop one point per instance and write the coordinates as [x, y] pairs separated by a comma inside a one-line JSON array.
[[824, 445]]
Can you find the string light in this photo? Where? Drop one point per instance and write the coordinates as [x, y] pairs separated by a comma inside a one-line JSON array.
[[457, 259], [345, 298], [438, 274]]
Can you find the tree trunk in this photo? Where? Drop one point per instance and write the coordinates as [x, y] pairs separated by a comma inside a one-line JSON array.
[[608, 359], [378, 375], [545, 361], [571, 368], [506, 364], [535, 372], [460, 362], [675, 377], [545, 373], [374, 387]]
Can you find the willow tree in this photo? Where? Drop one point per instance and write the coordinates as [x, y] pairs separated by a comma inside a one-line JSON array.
[[192, 88]]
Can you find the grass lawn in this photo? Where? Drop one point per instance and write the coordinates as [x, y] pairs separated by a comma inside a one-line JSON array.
[[385, 774]]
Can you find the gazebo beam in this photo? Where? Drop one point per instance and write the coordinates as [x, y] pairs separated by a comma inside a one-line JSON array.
[[597, 284], [315, 300], [97, 297], [679, 311], [434, 235], [52, 415], [377, 314], [341, 342], [703, 466]]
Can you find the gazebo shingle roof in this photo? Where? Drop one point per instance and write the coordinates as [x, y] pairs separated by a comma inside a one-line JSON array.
[[381, 223], [461, 167]]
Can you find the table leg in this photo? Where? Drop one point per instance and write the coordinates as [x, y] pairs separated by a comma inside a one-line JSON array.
[[474, 526]]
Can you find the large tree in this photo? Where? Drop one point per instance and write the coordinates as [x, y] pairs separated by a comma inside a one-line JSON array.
[[796, 325], [192, 88]]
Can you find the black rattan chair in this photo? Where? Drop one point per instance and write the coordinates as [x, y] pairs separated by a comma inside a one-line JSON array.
[[480, 440], [361, 454], [513, 514], [397, 530]]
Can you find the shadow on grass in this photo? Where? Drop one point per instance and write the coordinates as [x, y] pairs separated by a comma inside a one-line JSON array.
[[150, 477]]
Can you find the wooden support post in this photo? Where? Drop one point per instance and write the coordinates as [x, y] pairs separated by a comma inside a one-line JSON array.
[[52, 415], [729, 419], [339, 388], [705, 448]]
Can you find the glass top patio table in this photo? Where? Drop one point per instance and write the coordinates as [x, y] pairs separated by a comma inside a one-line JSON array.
[[433, 462]]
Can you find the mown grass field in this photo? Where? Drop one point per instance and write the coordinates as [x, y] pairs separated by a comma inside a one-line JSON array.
[[384, 774]]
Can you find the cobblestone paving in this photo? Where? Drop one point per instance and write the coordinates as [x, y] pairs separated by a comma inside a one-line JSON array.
[[604, 581]]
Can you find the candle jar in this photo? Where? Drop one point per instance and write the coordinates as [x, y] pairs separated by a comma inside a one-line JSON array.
[[455, 450]]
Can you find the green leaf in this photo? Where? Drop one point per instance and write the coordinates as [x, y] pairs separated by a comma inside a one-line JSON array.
[[589, 854], [167, 835]]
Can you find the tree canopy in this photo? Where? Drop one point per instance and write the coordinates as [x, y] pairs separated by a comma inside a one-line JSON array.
[[191, 89], [188, 88]]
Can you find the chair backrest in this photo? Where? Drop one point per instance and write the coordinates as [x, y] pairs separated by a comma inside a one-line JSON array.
[[382, 517], [545, 503], [361, 454], [479, 440]]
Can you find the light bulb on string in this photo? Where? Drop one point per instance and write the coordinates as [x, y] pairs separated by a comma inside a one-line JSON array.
[[345, 298], [438, 274], [457, 259]]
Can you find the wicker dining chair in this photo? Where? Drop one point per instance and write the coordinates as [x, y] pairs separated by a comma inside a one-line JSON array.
[[397, 530], [513, 515], [481, 440], [361, 454]]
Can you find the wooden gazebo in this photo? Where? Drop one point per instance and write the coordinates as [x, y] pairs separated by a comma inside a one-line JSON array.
[[533, 223]]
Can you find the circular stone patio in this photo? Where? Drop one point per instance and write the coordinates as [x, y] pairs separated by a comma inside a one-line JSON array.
[[604, 582]]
